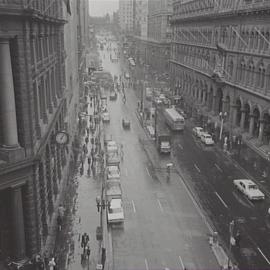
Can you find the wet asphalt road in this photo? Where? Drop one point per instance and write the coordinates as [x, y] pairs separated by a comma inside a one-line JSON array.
[[162, 227]]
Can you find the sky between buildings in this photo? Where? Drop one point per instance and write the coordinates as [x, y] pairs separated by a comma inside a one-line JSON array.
[[102, 7]]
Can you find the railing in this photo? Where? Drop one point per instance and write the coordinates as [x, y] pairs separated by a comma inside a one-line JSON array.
[[196, 8]]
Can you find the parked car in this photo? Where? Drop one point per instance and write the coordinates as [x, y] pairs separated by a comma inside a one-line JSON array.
[[105, 117], [197, 131], [113, 95], [249, 188], [113, 172], [182, 113], [126, 123], [207, 138], [115, 211], [112, 146]]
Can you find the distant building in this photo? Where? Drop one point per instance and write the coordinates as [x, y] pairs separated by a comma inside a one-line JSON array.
[[126, 15], [220, 65], [38, 98]]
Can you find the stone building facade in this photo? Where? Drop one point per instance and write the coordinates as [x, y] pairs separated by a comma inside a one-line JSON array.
[[220, 63], [37, 99], [126, 16]]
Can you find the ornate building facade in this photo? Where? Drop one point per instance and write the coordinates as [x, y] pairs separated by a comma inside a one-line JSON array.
[[38, 98], [220, 63]]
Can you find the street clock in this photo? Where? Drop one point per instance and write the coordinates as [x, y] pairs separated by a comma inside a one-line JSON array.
[[62, 137]]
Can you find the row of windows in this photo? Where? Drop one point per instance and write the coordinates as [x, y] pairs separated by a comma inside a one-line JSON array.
[[248, 38], [251, 73]]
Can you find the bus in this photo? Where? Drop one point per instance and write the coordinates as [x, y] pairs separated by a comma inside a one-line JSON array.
[[174, 120]]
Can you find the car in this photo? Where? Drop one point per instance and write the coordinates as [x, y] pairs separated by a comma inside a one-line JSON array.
[[112, 146], [113, 172], [115, 213], [249, 188], [182, 113], [100, 69], [207, 138], [126, 123], [113, 95], [197, 131], [106, 117]]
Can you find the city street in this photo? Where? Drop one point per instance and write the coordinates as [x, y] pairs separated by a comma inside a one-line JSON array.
[[162, 226]]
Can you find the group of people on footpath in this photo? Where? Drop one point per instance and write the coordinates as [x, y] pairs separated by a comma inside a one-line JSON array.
[[85, 245]]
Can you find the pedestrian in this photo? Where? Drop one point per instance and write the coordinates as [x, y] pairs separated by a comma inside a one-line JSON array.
[[61, 210], [59, 222], [89, 160], [88, 251], [52, 264], [237, 239], [86, 140]]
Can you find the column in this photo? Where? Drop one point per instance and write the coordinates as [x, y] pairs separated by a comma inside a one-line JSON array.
[[242, 121], [214, 104], [261, 130], [234, 114], [7, 99], [251, 124], [18, 223]]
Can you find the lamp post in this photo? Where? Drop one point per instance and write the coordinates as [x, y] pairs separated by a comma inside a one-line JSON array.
[[231, 229], [222, 117]]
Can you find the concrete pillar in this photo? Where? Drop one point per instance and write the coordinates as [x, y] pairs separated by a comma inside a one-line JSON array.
[[261, 130], [203, 98], [214, 104], [18, 223], [242, 121], [234, 114], [251, 124], [7, 99]]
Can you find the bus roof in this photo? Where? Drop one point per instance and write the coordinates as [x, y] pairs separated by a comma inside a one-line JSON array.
[[174, 114]]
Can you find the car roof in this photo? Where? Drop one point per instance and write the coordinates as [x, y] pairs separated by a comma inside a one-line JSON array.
[[247, 181], [115, 203], [112, 167]]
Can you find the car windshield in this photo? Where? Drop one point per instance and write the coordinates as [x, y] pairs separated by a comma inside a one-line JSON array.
[[115, 210], [252, 187]]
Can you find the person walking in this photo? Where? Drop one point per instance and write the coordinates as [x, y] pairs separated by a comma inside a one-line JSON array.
[[52, 264], [88, 251]]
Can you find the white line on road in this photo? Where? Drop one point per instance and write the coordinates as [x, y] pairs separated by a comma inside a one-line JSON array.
[[160, 206], [146, 264], [263, 255], [181, 262], [218, 167], [133, 205], [148, 172], [221, 200], [197, 168], [180, 146]]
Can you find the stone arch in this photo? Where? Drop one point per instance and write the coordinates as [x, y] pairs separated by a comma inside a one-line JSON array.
[[266, 127], [238, 106], [256, 123], [246, 109]]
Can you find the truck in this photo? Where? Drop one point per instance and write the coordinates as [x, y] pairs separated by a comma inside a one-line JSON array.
[[163, 139], [113, 189]]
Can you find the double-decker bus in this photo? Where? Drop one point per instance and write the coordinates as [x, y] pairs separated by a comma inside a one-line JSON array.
[[174, 120]]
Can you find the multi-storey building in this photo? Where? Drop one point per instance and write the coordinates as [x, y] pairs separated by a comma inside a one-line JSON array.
[[126, 15], [38, 99], [220, 63], [159, 34]]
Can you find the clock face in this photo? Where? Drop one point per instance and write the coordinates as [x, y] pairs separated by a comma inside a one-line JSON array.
[[61, 137]]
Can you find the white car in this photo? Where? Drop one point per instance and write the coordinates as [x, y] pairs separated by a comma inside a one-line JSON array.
[[106, 117], [112, 146], [113, 172], [207, 138], [115, 211], [197, 131], [249, 188]]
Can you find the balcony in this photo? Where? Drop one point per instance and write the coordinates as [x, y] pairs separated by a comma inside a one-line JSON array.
[[198, 8]]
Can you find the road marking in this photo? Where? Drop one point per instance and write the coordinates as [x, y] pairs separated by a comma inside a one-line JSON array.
[[180, 146], [148, 172], [263, 255], [221, 200], [160, 206], [126, 172], [181, 262], [197, 168], [133, 205], [218, 167], [146, 264]]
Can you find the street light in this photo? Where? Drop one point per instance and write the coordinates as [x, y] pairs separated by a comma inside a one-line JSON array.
[[222, 117]]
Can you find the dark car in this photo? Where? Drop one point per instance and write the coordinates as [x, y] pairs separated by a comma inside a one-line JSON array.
[[126, 123]]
